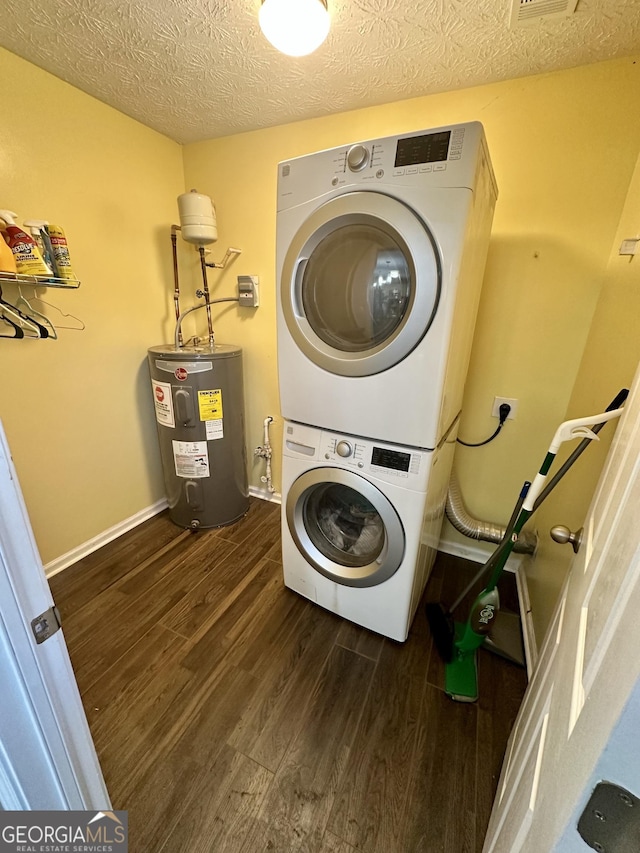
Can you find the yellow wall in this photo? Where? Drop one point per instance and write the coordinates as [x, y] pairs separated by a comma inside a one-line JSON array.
[[77, 411], [564, 147], [609, 363]]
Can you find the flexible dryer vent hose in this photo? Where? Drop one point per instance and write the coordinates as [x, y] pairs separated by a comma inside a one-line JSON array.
[[486, 531]]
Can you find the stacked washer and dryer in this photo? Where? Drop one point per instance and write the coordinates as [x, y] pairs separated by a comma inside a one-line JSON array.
[[381, 248]]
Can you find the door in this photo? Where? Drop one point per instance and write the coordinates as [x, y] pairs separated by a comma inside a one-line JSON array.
[[47, 757], [587, 675], [360, 284], [345, 527]]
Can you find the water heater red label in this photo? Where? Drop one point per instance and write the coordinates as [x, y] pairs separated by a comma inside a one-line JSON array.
[[163, 402], [180, 373]]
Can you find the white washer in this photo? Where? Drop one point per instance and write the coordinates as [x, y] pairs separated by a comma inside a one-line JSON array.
[[361, 522], [381, 248]]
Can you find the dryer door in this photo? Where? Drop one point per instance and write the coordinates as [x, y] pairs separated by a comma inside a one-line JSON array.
[[345, 527], [360, 284]]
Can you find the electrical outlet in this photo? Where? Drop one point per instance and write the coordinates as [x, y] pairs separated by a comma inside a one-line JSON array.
[[498, 401]]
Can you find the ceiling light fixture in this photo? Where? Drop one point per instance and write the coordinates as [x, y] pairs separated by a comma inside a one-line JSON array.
[[295, 27]]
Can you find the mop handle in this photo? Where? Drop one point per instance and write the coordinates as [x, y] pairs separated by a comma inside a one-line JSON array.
[[616, 403], [505, 543], [576, 428], [504, 551]]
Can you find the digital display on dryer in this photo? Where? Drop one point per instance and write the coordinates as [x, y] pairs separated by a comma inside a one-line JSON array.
[[429, 148], [393, 459]]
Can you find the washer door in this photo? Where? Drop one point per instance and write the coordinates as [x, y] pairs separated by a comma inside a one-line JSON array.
[[360, 284], [345, 527]]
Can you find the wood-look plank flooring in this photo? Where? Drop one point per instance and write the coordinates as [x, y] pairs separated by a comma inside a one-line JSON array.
[[230, 714]]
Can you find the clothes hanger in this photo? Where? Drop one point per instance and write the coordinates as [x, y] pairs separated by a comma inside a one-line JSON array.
[[18, 331], [23, 304], [15, 318], [27, 323], [58, 325]]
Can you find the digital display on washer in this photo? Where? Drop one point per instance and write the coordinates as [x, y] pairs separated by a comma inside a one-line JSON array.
[[390, 459], [430, 148]]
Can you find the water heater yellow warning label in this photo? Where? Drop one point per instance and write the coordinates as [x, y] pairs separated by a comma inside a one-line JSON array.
[[210, 405]]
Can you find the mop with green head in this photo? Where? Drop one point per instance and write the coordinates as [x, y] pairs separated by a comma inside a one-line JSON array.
[[458, 642]]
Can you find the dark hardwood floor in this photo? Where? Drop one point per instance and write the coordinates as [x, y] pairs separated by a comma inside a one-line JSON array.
[[230, 714]]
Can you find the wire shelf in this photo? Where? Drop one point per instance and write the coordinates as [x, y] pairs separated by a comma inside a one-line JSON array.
[[40, 280]]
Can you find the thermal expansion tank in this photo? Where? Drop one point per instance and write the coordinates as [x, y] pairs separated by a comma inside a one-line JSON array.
[[199, 405]]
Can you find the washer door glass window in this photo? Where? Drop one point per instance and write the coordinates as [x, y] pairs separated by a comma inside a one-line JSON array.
[[356, 287], [360, 284], [345, 527]]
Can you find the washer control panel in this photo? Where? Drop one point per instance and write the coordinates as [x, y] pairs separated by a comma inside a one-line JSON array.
[[405, 466], [392, 463]]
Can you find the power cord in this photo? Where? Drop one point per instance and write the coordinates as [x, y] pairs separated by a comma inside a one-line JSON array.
[[504, 410]]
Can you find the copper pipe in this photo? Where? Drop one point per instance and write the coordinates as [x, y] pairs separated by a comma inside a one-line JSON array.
[[205, 287], [176, 284]]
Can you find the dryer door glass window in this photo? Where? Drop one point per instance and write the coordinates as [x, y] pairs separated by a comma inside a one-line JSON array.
[[356, 288], [360, 283], [344, 525]]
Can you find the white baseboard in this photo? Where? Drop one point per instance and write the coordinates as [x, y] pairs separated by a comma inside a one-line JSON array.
[[477, 553], [528, 631], [112, 533], [516, 564], [103, 538], [265, 495]]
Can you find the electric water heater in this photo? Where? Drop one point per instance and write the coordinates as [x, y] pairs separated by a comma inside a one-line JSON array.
[[199, 407]]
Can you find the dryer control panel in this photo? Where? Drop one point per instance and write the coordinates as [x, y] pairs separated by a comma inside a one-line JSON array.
[[407, 155], [427, 148], [440, 157]]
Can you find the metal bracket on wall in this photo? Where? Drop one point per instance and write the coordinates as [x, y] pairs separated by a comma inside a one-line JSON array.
[[610, 822]]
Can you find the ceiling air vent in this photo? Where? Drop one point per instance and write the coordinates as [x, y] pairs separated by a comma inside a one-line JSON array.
[[525, 11]]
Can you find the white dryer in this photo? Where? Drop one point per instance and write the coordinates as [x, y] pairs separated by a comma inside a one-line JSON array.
[[381, 248], [361, 522]]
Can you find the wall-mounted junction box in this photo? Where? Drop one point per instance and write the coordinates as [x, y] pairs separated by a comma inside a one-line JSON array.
[[248, 296]]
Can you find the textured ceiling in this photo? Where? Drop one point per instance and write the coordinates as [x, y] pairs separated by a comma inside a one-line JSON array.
[[198, 69]]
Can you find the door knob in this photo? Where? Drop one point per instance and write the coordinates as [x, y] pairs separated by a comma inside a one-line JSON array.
[[562, 535]]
